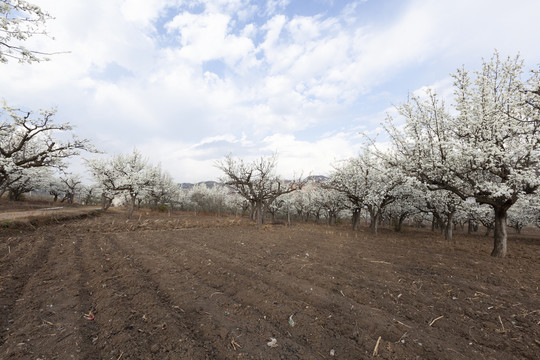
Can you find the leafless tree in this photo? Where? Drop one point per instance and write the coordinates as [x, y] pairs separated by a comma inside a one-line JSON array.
[[72, 184], [257, 182]]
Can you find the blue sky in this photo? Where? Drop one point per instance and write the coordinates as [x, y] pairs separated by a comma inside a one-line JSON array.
[[187, 82]]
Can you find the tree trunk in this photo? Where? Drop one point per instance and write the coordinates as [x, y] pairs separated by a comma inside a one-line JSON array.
[[331, 219], [104, 202], [355, 219], [259, 213], [438, 223], [253, 212], [448, 229], [288, 216], [131, 206], [374, 225], [500, 235], [70, 197], [245, 207], [399, 223]]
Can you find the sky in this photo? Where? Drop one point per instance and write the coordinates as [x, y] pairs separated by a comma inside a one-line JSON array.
[[187, 82]]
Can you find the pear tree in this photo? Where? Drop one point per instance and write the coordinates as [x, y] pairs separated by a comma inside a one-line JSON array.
[[257, 182], [485, 148], [29, 140], [124, 174]]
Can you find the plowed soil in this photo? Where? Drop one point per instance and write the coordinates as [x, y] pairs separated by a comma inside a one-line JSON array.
[[205, 287]]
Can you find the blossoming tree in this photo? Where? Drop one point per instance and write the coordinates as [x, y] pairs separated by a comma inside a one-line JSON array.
[[487, 148]]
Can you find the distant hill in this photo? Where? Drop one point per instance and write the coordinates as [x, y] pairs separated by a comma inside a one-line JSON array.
[[211, 184], [317, 178]]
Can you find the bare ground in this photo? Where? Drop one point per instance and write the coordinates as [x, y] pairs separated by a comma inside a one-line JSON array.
[[201, 287], [17, 214]]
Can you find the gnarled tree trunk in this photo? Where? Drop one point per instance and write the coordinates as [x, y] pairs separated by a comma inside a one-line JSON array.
[[332, 218], [448, 229], [398, 222], [500, 234], [260, 212], [374, 224], [356, 219], [105, 202], [131, 206]]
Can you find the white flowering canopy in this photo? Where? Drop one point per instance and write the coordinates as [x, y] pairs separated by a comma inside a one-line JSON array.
[[487, 148]]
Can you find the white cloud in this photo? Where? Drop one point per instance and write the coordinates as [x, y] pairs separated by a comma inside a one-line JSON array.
[[304, 28], [274, 6], [225, 6], [311, 157], [318, 78], [143, 11], [478, 27], [205, 37]]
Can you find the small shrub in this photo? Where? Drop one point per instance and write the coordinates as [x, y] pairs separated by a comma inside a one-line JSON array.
[[162, 208], [6, 224]]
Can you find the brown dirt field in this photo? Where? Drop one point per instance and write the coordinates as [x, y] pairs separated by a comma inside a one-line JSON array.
[[201, 287]]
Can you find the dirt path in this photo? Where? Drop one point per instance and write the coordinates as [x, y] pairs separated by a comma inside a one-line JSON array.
[[187, 287], [48, 212]]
